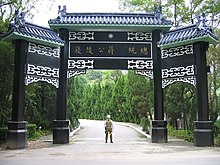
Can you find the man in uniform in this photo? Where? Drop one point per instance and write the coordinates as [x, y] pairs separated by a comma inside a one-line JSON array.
[[108, 128]]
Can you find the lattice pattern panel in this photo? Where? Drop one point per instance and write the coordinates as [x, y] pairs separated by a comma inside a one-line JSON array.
[[139, 36], [178, 51], [44, 50], [178, 72], [140, 64], [80, 64], [42, 71], [81, 36]]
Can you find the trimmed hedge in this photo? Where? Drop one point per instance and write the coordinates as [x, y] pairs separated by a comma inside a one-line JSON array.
[[145, 124], [3, 133], [180, 134]]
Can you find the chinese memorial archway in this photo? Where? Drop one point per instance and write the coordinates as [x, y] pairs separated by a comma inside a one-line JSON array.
[[76, 42]]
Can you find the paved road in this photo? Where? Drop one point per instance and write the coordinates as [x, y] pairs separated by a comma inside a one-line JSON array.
[[87, 147]]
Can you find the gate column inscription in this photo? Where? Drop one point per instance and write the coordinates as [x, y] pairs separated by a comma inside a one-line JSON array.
[[159, 130], [61, 124], [203, 133], [17, 131]]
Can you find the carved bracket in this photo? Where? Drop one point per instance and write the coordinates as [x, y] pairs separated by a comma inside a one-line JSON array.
[[190, 80], [147, 73], [72, 73], [32, 79]]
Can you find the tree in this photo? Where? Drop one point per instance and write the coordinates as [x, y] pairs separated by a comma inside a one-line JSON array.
[[180, 11], [6, 81]]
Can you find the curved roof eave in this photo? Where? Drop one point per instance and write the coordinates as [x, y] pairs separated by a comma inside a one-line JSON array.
[[206, 38], [16, 35]]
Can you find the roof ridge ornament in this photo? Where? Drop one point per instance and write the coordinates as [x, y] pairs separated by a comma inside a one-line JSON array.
[[19, 20], [61, 12], [158, 12], [201, 22]]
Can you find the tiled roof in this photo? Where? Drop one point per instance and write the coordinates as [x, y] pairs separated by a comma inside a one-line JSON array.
[[110, 19], [187, 35], [33, 33]]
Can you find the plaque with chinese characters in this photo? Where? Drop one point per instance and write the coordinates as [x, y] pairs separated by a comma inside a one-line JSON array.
[[111, 47]]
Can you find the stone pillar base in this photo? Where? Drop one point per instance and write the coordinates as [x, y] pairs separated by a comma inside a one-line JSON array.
[[203, 133], [61, 131], [159, 131], [17, 135]]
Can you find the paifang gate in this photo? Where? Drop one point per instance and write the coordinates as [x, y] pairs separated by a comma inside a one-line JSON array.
[[125, 41]]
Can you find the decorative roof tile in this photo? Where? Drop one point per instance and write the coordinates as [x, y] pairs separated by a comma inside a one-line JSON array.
[[109, 19], [187, 35], [31, 32]]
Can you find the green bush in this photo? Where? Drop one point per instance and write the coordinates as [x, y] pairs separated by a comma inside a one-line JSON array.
[[3, 133], [31, 130], [145, 124], [180, 134], [217, 129]]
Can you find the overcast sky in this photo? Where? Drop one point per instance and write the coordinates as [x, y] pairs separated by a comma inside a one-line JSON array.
[[73, 6]]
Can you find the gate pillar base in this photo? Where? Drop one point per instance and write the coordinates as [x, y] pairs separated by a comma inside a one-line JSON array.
[[61, 131], [159, 131], [17, 135], [203, 133]]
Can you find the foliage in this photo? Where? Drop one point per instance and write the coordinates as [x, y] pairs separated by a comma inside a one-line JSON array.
[[6, 79], [180, 134], [3, 133], [180, 11], [126, 97], [217, 128], [184, 109], [145, 124], [40, 104], [34, 133], [31, 130]]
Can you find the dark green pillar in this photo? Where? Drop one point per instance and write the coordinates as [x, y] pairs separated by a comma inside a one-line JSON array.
[[203, 132], [17, 132], [61, 124], [159, 130]]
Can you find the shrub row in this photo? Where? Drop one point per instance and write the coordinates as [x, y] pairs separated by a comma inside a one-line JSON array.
[[32, 134], [180, 134]]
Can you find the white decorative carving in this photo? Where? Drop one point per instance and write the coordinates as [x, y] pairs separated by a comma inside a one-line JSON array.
[[140, 64], [42, 71], [190, 80], [178, 72], [72, 73], [147, 73], [32, 79], [44, 50], [82, 36], [80, 64], [139, 36], [178, 51]]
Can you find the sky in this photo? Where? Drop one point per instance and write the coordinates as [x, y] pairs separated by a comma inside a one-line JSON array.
[[41, 18]]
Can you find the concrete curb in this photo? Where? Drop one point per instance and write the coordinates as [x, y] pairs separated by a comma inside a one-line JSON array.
[[136, 129], [74, 131]]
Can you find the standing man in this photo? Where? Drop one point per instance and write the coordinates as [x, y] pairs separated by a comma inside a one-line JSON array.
[[108, 128]]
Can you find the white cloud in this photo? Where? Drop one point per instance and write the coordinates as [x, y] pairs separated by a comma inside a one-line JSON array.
[[74, 6]]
